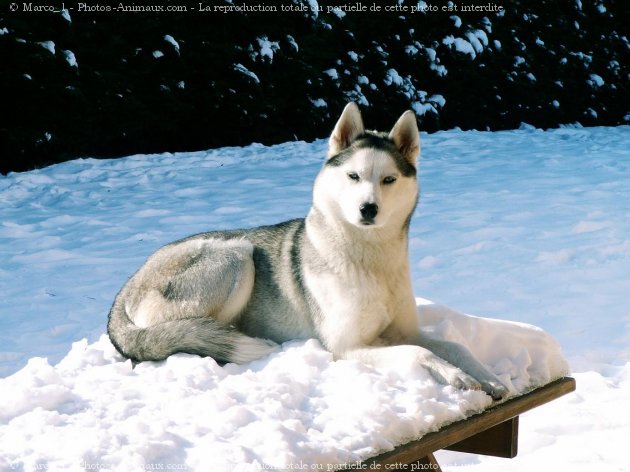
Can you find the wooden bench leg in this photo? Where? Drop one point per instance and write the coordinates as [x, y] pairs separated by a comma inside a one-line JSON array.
[[426, 463], [499, 441]]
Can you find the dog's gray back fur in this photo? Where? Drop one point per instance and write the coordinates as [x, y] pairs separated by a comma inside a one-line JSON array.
[[278, 294]]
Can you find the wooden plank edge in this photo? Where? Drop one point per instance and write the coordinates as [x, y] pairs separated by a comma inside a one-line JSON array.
[[474, 424]]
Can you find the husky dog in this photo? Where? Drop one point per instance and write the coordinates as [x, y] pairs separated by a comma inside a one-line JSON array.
[[340, 275]]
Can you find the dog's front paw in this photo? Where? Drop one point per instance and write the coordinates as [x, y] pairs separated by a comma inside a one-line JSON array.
[[448, 374], [495, 389]]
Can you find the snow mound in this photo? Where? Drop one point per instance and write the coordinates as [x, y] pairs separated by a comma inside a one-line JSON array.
[[294, 407]]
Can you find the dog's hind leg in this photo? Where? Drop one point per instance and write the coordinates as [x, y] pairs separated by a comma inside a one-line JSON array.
[[193, 279], [186, 298]]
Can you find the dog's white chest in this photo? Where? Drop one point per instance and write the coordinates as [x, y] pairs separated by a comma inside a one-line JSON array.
[[355, 309]]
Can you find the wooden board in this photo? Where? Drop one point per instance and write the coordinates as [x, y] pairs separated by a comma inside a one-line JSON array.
[[475, 432]]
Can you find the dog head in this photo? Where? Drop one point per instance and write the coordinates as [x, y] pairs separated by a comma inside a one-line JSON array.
[[369, 178]]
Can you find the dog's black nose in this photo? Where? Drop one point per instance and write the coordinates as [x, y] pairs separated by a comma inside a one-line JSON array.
[[368, 210]]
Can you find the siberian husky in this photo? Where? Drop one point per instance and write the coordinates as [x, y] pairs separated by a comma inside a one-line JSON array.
[[340, 275]]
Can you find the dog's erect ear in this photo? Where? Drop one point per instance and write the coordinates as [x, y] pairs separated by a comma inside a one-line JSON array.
[[349, 126], [406, 137]]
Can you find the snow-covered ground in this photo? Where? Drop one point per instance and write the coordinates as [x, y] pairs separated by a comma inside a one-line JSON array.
[[526, 225]]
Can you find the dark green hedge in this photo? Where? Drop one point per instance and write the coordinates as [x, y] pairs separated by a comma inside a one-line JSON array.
[[236, 78]]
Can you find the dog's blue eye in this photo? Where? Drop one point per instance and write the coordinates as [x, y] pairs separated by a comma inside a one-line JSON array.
[[389, 180], [353, 176]]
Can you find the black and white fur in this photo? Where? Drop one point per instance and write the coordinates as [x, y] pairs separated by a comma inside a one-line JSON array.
[[341, 275]]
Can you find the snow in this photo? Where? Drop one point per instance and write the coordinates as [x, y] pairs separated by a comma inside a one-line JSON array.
[[438, 99], [48, 45], [267, 48], [418, 98], [319, 103], [169, 39], [244, 70], [71, 58], [595, 81], [357, 95], [461, 45], [525, 226], [614, 66], [423, 7], [332, 73], [427, 104], [313, 7], [586, 58], [435, 62], [481, 36], [487, 24], [337, 11], [421, 108], [381, 51], [296, 405], [393, 77], [413, 49], [293, 42], [477, 39], [65, 14]]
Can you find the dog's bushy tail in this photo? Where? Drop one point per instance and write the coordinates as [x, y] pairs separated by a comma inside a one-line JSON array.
[[201, 336]]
